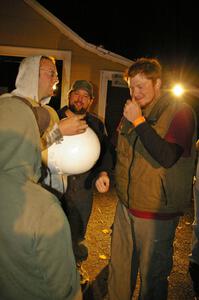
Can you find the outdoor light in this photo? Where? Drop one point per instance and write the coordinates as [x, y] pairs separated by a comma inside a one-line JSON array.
[[178, 90]]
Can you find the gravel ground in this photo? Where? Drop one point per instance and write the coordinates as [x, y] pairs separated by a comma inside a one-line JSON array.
[[98, 242]]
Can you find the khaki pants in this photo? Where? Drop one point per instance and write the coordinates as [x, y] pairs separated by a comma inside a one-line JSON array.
[[140, 244]]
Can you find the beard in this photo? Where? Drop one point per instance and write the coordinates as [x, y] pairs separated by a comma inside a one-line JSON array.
[[76, 111]]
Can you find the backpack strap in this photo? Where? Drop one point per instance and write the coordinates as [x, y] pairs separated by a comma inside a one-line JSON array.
[[41, 114]]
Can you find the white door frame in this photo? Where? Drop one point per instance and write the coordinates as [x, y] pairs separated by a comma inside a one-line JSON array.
[[65, 56], [104, 77]]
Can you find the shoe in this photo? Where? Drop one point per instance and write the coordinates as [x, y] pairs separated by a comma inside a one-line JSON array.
[[80, 252], [194, 273], [85, 289], [84, 278]]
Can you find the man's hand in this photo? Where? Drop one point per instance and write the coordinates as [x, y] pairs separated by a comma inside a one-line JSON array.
[[102, 183], [73, 125], [132, 110]]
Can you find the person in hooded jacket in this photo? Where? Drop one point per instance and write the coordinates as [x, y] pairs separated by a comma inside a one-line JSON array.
[[35, 82], [36, 256]]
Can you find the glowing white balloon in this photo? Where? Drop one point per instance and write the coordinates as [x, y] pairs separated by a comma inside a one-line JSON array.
[[76, 154]]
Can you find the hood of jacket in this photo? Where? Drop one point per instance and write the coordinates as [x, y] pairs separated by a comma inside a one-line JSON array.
[[28, 78]]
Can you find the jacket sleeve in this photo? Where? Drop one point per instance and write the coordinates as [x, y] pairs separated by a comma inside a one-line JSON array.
[[177, 141], [52, 134], [165, 153]]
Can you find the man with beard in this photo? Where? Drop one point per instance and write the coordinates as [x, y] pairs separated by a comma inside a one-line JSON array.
[[78, 198]]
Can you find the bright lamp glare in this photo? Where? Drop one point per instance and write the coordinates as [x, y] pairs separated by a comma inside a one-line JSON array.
[[178, 90]]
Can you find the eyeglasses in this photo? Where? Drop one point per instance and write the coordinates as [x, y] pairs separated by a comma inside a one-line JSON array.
[[51, 73]]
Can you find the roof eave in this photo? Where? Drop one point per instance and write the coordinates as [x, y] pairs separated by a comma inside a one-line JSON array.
[[75, 37]]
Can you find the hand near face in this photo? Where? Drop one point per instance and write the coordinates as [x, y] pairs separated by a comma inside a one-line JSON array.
[[102, 183], [73, 125], [132, 110]]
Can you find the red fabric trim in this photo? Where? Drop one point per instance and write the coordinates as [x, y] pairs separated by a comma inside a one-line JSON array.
[[182, 119], [152, 215]]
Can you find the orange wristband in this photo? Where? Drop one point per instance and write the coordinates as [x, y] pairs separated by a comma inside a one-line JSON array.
[[138, 121]]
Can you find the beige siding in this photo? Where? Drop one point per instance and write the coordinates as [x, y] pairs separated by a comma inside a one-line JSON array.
[[22, 26]]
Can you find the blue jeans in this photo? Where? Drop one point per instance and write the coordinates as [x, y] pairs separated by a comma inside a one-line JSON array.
[[144, 246]]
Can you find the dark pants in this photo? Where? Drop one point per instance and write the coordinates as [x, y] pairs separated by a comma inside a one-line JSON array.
[[77, 207]]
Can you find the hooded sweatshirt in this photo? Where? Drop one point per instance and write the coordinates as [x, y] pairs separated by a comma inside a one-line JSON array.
[[36, 257], [27, 87]]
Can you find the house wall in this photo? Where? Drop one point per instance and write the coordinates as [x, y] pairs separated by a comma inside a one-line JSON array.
[[22, 26]]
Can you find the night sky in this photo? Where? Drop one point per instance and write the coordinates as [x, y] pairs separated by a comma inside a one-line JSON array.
[[167, 30]]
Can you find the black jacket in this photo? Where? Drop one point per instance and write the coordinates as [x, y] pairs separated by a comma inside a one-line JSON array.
[[105, 161]]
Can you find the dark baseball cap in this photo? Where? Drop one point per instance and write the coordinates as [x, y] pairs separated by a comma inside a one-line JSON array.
[[84, 85]]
